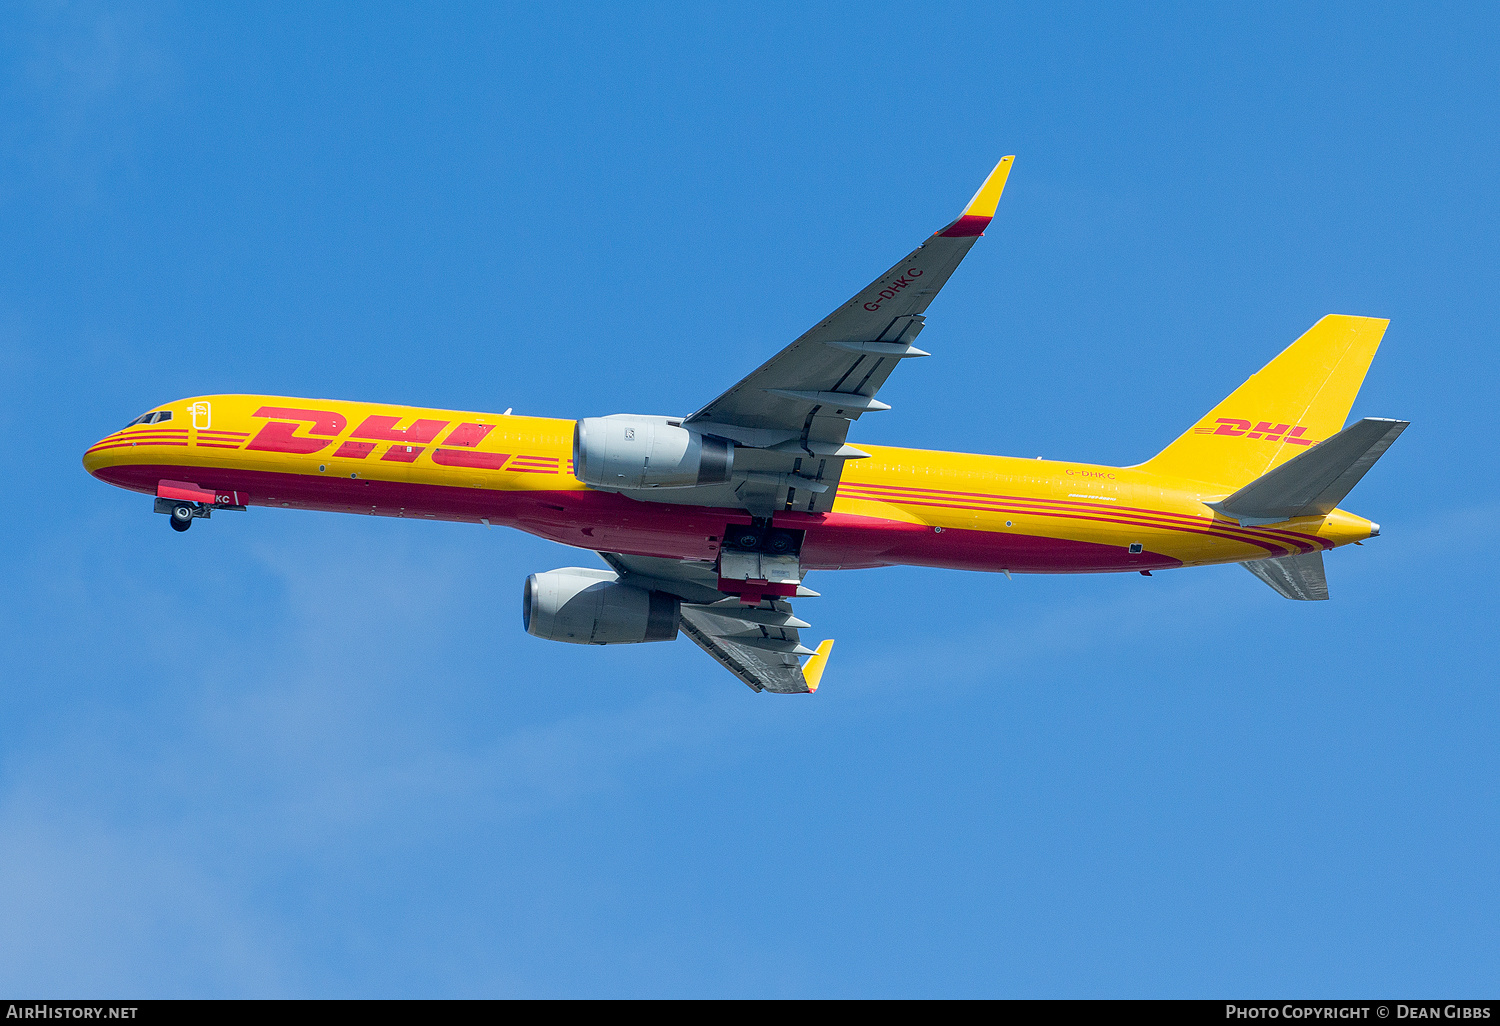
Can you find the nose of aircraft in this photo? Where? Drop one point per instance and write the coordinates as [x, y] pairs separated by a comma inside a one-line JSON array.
[[93, 456], [150, 430]]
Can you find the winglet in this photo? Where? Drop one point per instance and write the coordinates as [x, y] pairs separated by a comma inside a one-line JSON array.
[[981, 209], [813, 671]]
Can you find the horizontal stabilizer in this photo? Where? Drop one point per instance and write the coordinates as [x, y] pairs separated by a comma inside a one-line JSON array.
[[1294, 577], [1313, 483]]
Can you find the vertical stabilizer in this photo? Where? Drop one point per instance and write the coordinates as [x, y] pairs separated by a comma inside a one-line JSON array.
[[1298, 399]]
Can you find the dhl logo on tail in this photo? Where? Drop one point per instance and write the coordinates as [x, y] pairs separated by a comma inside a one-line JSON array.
[[1263, 430]]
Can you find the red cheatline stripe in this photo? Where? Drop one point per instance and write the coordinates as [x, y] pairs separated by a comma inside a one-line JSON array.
[[1129, 522], [893, 491], [523, 470], [146, 434], [1295, 542], [1118, 516], [146, 441], [1127, 517], [1015, 501], [218, 445], [127, 445], [945, 493]]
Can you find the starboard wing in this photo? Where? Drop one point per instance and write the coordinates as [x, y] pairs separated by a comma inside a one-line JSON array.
[[797, 406]]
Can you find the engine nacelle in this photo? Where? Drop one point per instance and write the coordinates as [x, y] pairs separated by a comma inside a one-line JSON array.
[[629, 451], [592, 607]]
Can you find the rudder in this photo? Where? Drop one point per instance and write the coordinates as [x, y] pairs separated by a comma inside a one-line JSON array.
[[1298, 399]]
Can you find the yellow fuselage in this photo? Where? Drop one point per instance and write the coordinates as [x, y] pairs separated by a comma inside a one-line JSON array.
[[900, 506]]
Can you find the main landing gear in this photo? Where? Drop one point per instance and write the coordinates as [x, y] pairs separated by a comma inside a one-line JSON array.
[[182, 516], [758, 538]]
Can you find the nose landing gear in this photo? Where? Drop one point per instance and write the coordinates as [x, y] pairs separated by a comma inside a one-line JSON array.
[[181, 513]]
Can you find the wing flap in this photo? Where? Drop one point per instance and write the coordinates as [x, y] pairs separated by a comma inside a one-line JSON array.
[[763, 662]]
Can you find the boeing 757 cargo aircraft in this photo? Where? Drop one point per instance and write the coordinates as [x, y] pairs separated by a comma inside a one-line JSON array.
[[709, 523]]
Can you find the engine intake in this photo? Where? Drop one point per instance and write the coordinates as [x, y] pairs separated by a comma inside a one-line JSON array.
[[628, 451], [592, 607]]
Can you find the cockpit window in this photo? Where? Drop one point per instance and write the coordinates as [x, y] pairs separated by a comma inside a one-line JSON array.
[[163, 415], [155, 417]]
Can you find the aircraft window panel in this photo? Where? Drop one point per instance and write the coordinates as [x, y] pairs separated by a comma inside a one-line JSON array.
[[163, 415]]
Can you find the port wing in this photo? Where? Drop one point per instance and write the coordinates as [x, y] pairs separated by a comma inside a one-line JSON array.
[[760, 644]]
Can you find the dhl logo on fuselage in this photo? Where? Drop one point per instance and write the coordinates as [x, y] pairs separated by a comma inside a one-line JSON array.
[[1264, 430], [305, 432]]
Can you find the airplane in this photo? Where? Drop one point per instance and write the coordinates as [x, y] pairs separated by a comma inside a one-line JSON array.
[[709, 524]]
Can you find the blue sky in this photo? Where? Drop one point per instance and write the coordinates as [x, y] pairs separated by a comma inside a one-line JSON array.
[[308, 755]]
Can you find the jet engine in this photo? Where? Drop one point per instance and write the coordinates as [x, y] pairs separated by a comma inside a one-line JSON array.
[[592, 607], [629, 451]]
